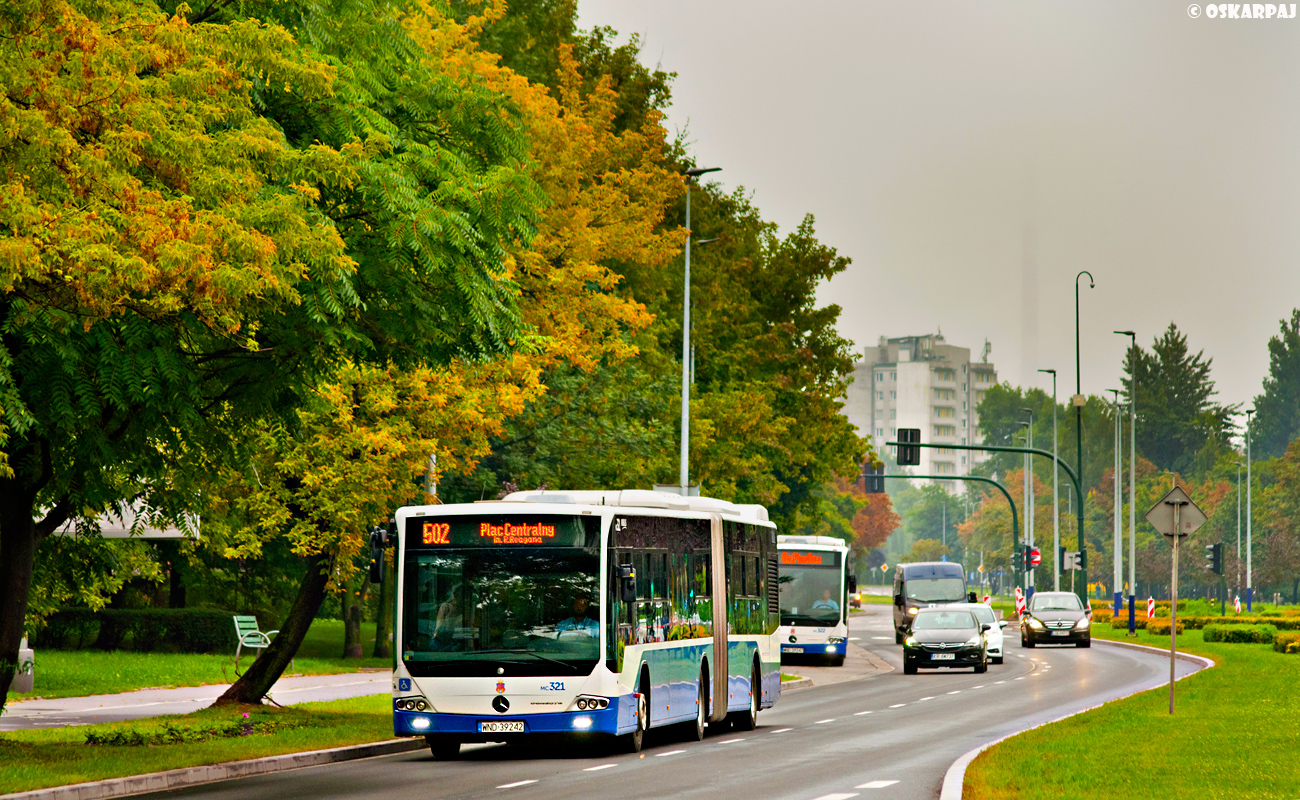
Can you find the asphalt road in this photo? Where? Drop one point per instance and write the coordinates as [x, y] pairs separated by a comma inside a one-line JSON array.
[[887, 736]]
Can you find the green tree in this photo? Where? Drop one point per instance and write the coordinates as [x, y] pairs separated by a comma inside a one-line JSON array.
[[927, 550], [1176, 416], [1277, 410]]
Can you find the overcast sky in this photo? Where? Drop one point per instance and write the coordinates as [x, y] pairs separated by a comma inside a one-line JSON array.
[[972, 157]]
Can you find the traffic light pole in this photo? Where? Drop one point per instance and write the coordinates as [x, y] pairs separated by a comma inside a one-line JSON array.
[[1015, 520], [1074, 478]]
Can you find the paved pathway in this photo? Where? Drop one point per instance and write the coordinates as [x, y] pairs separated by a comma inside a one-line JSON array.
[[65, 711]]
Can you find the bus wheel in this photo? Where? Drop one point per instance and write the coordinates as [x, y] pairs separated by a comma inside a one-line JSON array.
[[748, 720], [633, 741], [442, 749], [701, 708]]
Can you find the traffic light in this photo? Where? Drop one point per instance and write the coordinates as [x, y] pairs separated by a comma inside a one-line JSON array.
[[378, 541], [1214, 558], [1018, 559], [909, 456], [874, 478]]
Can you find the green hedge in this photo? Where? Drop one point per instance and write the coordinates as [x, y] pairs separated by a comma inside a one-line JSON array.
[[1288, 642], [1121, 623], [178, 630], [1240, 634], [1160, 627]]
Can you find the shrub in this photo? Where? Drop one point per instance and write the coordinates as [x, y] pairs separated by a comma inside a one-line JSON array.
[[1160, 627], [1240, 634], [1288, 642], [175, 630], [1121, 623], [184, 734]]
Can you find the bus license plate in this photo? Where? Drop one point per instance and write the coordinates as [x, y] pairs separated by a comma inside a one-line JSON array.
[[501, 727], [794, 649], [943, 656], [1060, 633]]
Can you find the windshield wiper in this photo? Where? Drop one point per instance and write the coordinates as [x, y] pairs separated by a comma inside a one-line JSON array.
[[524, 652]]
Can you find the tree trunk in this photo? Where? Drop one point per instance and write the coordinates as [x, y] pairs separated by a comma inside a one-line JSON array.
[[17, 555], [271, 662], [384, 619], [353, 605]]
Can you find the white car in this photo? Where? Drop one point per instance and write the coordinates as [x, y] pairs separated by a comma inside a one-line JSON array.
[[993, 637]]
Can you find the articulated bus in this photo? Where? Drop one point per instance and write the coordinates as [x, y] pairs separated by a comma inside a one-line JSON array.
[[815, 588], [585, 613]]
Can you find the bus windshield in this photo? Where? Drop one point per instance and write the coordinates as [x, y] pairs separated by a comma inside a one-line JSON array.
[[936, 590], [811, 587], [468, 611]]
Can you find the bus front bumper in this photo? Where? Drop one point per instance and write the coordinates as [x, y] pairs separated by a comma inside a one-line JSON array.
[[618, 719], [816, 648]]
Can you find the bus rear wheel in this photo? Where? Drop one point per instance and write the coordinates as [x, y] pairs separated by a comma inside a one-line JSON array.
[[442, 749], [747, 720]]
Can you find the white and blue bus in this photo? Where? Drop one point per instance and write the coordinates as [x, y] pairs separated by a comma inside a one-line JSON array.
[[597, 614], [815, 588]]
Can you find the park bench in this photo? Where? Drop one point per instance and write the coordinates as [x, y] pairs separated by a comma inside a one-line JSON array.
[[249, 636]]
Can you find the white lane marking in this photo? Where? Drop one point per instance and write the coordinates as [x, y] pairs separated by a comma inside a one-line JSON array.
[[855, 638], [875, 784], [923, 699], [782, 730], [669, 753], [958, 691], [1021, 678], [516, 783], [981, 686], [824, 721], [881, 638], [731, 741], [898, 705], [862, 713], [602, 766], [837, 796], [999, 682]]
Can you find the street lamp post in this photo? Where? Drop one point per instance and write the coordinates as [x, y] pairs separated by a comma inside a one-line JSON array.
[[1056, 497], [1132, 479], [1029, 500], [1237, 585], [1250, 588], [684, 471], [1078, 421], [1119, 506]]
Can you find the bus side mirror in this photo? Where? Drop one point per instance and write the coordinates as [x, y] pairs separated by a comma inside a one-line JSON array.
[[971, 597], [853, 583], [626, 584], [378, 541]]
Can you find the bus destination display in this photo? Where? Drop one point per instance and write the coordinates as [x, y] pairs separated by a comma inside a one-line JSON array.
[[810, 558], [496, 531]]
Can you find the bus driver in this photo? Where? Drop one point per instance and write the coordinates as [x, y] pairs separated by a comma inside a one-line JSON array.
[[579, 622]]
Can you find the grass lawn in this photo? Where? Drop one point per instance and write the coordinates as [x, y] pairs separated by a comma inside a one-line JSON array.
[[1234, 733], [54, 757], [75, 673]]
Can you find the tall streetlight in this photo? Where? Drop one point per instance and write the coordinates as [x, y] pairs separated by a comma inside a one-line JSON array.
[[1078, 419], [1056, 497], [1250, 589], [684, 472], [1237, 585], [1029, 498], [1132, 479], [1119, 504], [1024, 503]]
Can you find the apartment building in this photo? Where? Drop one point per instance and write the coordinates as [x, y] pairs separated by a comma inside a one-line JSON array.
[[922, 382]]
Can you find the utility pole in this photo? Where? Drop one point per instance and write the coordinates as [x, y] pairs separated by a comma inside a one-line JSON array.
[[1119, 508], [1250, 589], [684, 469], [1078, 401], [1056, 496], [1132, 480]]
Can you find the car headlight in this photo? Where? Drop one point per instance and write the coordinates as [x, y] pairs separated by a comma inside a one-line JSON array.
[[1033, 623], [910, 641], [973, 641], [911, 612], [1082, 623]]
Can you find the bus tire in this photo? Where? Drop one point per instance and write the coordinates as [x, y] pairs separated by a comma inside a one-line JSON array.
[[747, 720], [835, 661], [634, 741], [695, 730], [442, 749]]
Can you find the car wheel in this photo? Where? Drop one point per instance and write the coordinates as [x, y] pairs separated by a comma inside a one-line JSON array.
[[997, 659], [909, 666], [442, 749], [1085, 643], [1026, 641], [981, 667]]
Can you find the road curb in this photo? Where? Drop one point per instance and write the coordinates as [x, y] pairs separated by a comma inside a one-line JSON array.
[[209, 773], [956, 774], [802, 683]]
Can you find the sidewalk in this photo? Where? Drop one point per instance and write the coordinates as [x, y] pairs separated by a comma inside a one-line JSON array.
[[65, 711]]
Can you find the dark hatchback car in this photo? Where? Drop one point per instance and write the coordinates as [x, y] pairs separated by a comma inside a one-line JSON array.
[[1055, 618], [945, 637]]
